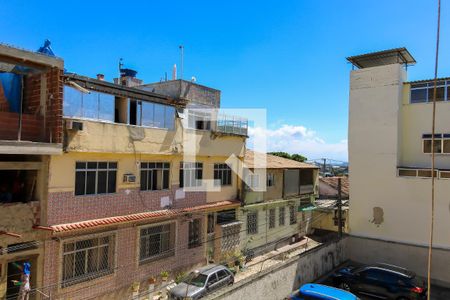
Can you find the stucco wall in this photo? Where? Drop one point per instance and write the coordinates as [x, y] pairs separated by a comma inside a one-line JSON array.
[[118, 138], [384, 132]]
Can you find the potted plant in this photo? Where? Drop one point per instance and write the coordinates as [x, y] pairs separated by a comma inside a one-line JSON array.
[[164, 275], [179, 277]]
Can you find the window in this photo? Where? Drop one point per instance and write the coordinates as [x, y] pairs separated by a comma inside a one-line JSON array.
[[424, 92], [200, 120], [222, 274], [252, 222], [95, 178], [292, 215], [94, 105], [155, 176], [226, 216], [191, 174], [211, 223], [84, 260], [222, 174], [194, 233], [441, 143], [157, 242], [253, 181], [212, 279], [424, 173], [270, 179], [444, 174], [271, 218], [281, 216], [150, 114]]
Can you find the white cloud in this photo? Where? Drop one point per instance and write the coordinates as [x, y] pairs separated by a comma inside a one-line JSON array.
[[301, 140]]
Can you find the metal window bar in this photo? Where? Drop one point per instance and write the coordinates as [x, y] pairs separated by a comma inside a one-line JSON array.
[[281, 216], [292, 215], [87, 259], [252, 223], [156, 242]]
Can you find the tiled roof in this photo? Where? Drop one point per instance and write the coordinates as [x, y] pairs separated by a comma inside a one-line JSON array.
[[272, 162], [333, 182], [152, 215]]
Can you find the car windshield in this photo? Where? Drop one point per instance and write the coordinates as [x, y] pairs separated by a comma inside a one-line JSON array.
[[197, 280]]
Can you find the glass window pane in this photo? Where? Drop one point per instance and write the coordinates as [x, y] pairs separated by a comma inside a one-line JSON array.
[[419, 95], [112, 181], [170, 118], [439, 94], [80, 178], [165, 179], [92, 165], [90, 182], [80, 165], [147, 114], [72, 102], [159, 116], [101, 183], [106, 107], [143, 180]]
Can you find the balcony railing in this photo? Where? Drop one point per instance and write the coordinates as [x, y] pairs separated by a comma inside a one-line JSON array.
[[232, 124]]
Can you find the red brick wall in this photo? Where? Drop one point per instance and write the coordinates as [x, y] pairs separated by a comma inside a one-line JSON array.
[[65, 207], [128, 270], [32, 100]]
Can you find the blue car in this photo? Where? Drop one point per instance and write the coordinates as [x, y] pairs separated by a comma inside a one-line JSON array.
[[312, 291]]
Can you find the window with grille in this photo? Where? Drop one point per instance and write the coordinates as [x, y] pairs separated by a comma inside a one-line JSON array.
[[222, 174], [157, 242], [155, 176], [441, 143], [271, 218], [252, 222], [191, 174], [270, 179], [194, 233], [84, 260], [281, 216], [95, 178], [292, 215]]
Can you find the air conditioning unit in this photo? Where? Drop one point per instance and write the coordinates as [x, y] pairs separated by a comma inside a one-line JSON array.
[[74, 125], [129, 178]]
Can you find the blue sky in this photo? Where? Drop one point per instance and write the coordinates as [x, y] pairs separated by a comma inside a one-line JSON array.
[[286, 56]]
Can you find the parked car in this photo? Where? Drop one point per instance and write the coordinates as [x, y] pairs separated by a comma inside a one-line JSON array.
[[382, 281], [202, 282], [312, 291]]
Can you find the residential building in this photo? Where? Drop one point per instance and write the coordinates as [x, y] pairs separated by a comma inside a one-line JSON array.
[[276, 191], [390, 125], [30, 132], [118, 178], [325, 213]]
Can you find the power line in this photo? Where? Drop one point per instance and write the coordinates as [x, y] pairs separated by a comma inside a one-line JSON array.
[[433, 130]]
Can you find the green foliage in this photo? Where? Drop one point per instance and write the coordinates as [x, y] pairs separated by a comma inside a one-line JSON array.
[[296, 157]]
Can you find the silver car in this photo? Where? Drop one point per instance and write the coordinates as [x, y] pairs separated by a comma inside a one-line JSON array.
[[202, 282]]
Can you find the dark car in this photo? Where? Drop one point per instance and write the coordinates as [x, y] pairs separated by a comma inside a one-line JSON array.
[[382, 281], [202, 282]]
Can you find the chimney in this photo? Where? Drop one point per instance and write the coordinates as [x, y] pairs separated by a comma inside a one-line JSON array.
[[174, 72], [100, 77]]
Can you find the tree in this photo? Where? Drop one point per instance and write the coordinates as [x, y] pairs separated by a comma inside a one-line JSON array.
[[296, 157]]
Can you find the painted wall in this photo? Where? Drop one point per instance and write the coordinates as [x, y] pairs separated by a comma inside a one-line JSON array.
[[325, 220], [107, 137], [383, 133], [269, 238]]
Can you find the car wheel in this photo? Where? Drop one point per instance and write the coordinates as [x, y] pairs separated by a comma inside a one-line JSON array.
[[344, 286]]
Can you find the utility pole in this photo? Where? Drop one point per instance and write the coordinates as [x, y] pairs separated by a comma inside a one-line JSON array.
[[182, 60], [339, 204], [324, 165]]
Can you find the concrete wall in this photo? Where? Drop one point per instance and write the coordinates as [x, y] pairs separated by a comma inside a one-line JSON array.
[[279, 281], [324, 219]]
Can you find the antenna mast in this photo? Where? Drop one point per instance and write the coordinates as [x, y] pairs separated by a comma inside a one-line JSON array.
[[182, 60]]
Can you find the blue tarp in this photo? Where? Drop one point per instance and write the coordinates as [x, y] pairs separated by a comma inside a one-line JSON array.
[[12, 88]]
